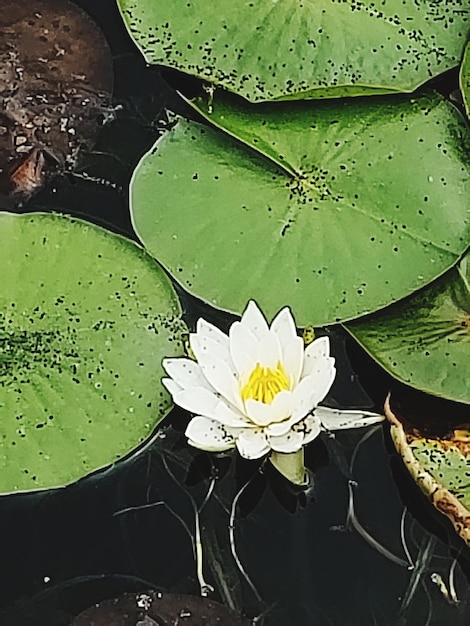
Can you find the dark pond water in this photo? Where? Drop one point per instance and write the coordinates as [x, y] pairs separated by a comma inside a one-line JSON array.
[[128, 529]]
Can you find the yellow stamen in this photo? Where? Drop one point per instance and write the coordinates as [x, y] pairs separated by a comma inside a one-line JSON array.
[[265, 383]]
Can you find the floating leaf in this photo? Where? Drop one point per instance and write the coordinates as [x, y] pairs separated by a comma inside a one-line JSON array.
[[85, 319], [316, 207], [465, 79], [268, 50], [424, 341], [439, 466]]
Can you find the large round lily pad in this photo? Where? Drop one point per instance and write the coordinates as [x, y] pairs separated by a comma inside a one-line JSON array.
[[439, 465], [85, 319], [424, 341], [336, 209], [267, 50]]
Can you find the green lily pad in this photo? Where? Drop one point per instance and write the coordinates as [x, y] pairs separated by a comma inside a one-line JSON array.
[[425, 341], [268, 50], [316, 207], [439, 466], [85, 319], [465, 79]]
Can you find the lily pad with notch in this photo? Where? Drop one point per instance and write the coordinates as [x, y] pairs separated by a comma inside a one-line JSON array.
[[424, 341], [86, 317], [269, 50], [316, 207]]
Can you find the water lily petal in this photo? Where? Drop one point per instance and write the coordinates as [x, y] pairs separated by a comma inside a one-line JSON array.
[[315, 354], [282, 407], [284, 326], [172, 386], [217, 366], [195, 399], [292, 346], [252, 444], [233, 419], [278, 429], [254, 320], [269, 351], [243, 349], [304, 398], [222, 378], [204, 347], [208, 404], [292, 359], [290, 442], [323, 379], [205, 329], [282, 428], [310, 427], [185, 372], [264, 414], [207, 434], [260, 413], [332, 419]]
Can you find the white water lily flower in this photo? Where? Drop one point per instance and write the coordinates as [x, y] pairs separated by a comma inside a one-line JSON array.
[[256, 388]]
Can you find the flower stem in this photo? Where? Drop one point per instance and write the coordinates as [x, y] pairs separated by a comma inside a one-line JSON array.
[[291, 466]]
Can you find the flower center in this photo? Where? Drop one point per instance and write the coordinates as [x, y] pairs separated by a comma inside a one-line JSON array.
[[265, 383]]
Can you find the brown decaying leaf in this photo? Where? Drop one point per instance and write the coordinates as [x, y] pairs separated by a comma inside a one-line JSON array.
[[55, 85], [404, 435]]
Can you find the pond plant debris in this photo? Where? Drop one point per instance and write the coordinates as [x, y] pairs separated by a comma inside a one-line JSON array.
[[56, 80], [258, 390], [440, 466], [153, 608]]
